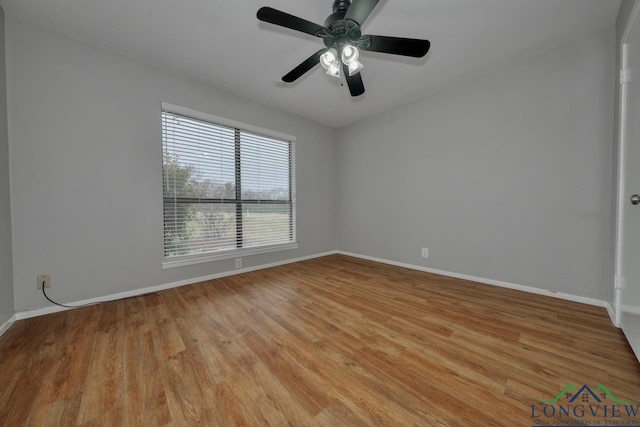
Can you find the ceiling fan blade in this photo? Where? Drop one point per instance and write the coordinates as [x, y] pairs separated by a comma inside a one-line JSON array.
[[273, 16], [360, 10], [305, 66], [356, 87], [397, 46]]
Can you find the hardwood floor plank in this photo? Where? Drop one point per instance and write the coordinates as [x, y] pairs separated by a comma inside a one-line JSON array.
[[337, 413], [183, 391], [104, 386], [302, 384], [231, 410], [144, 388], [333, 341]]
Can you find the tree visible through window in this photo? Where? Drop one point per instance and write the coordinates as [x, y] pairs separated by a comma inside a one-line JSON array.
[[225, 189]]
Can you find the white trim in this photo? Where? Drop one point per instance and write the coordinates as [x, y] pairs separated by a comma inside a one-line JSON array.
[[529, 289], [612, 314], [6, 325], [237, 253], [622, 111], [55, 309], [226, 122], [622, 108]]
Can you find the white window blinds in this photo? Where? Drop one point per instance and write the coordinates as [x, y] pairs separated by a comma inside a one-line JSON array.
[[226, 190]]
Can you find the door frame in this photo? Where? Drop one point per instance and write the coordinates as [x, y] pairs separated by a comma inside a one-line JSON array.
[[619, 280]]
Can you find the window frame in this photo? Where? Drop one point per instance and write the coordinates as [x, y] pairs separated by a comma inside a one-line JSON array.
[[238, 127]]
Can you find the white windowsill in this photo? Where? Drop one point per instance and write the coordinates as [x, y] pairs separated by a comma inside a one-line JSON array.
[[238, 253]]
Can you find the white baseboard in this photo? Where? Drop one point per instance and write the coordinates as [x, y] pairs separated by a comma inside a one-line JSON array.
[[6, 325], [19, 315], [612, 314], [530, 289], [54, 309]]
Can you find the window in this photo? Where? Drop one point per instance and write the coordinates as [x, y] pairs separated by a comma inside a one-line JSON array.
[[228, 188]]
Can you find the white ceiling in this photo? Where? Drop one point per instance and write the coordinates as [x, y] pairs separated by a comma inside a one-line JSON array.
[[223, 44]]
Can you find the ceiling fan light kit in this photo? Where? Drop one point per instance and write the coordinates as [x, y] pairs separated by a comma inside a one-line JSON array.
[[329, 61], [350, 55], [343, 40]]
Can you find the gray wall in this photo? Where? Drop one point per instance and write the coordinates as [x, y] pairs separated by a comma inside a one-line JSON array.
[[6, 269], [87, 162], [506, 177]]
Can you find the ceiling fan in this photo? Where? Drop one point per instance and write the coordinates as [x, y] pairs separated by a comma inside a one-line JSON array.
[[343, 39]]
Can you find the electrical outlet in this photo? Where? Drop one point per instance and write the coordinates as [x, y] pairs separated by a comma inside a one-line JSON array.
[[425, 252], [238, 262], [44, 281]]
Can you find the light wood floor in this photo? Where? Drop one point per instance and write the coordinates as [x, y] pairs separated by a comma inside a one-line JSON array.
[[333, 341]]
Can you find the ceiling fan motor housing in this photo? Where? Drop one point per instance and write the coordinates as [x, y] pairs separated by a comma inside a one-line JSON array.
[[341, 31]]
